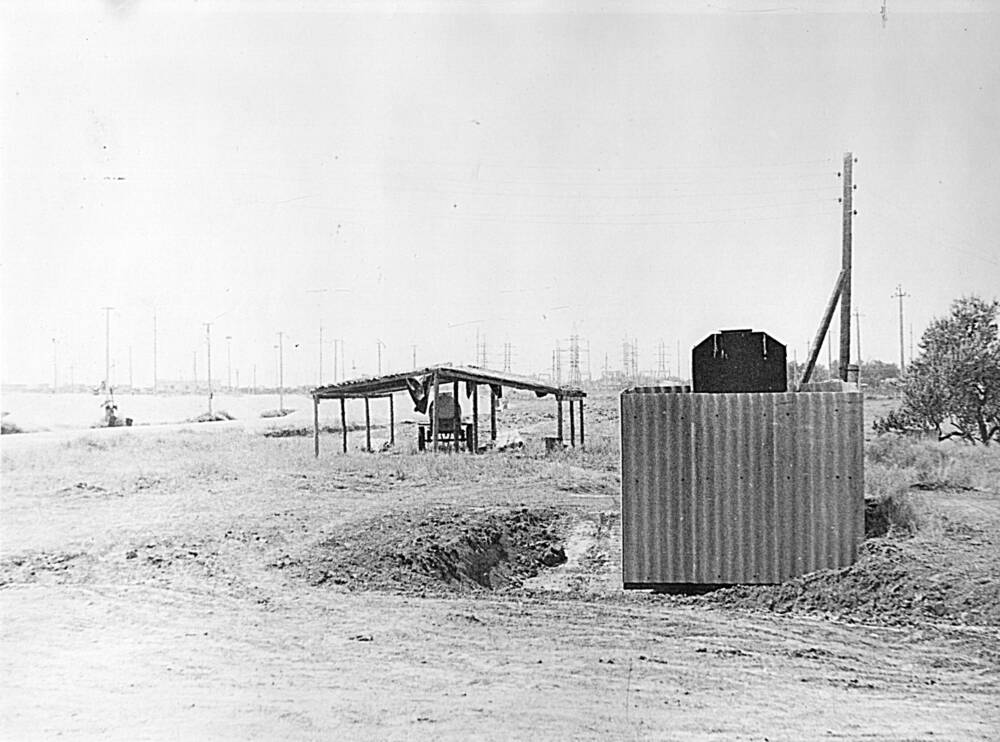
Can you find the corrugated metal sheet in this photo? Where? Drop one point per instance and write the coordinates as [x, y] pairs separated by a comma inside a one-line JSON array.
[[739, 488]]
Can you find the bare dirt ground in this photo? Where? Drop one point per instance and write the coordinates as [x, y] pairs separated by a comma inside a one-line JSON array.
[[220, 584]]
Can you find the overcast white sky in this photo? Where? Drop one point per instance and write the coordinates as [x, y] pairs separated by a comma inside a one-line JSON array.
[[481, 167]]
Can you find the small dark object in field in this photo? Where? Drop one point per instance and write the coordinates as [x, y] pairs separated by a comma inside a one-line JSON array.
[[7, 428]]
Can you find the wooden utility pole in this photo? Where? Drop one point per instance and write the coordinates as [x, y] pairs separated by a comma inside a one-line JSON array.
[[845, 267], [902, 361]]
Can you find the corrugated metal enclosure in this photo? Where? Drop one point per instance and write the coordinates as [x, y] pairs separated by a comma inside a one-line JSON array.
[[739, 488]]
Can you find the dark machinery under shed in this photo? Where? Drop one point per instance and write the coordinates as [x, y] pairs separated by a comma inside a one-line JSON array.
[[423, 387]]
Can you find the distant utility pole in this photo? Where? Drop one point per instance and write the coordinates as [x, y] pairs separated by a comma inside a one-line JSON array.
[[229, 363], [154, 353], [845, 292], [208, 348], [857, 331], [281, 371], [319, 300], [902, 361], [378, 346], [319, 381], [857, 336], [107, 349], [507, 351]]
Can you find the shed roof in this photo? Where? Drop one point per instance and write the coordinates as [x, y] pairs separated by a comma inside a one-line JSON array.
[[389, 383]]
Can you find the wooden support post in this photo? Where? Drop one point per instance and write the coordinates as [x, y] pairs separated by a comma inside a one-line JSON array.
[[475, 418], [392, 421], [368, 427], [824, 326], [580, 403], [559, 422], [572, 423], [493, 415], [343, 420], [457, 419], [435, 432], [316, 425]]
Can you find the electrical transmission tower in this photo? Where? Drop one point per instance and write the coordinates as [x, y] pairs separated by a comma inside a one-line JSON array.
[[574, 360], [507, 351], [481, 354], [662, 371], [630, 358]]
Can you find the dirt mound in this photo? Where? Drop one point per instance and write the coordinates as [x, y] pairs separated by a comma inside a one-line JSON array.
[[212, 417], [303, 431], [949, 577], [276, 413], [56, 566], [297, 432], [441, 548]]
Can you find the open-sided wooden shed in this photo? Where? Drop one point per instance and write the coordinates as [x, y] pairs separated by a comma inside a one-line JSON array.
[[423, 386]]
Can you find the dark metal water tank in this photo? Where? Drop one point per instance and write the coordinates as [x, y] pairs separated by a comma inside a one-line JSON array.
[[739, 361]]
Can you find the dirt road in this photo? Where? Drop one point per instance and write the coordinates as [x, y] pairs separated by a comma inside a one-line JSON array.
[[143, 663]]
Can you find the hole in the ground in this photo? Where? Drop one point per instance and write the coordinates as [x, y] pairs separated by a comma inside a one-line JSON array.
[[453, 548]]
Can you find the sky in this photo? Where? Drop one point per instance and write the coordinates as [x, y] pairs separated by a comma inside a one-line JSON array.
[[428, 174]]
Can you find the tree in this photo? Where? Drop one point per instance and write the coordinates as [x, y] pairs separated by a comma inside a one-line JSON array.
[[956, 377], [875, 372]]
